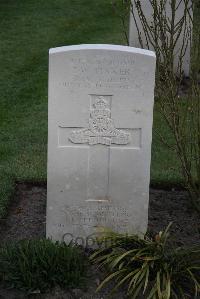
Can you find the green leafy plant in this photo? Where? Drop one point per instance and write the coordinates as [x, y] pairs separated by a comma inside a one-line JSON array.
[[149, 267], [39, 265]]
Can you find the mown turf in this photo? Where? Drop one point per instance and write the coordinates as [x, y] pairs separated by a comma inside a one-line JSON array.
[[41, 265], [28, 29]]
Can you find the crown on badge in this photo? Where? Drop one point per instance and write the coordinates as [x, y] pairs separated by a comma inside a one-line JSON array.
[[100, 103]]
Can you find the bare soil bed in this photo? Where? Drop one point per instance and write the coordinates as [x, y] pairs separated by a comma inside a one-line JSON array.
[[26, 220]]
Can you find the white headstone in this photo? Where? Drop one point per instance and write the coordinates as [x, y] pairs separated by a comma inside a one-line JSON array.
[[186, 30], [100, 132]]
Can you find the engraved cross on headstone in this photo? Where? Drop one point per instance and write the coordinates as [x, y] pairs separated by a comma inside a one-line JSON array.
[[100, 131]]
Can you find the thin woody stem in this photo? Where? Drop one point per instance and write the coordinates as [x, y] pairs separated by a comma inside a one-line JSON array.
[[164, 35]]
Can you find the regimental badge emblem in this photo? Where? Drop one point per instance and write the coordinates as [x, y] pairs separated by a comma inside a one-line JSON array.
[[101, 128]]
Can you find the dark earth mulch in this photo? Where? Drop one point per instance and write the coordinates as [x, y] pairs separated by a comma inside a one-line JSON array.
[[26, 220]]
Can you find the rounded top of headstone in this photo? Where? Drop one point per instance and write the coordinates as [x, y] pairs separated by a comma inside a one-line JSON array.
[[102, 47]]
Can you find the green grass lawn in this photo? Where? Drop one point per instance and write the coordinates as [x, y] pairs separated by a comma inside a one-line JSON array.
[[28, 29]]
